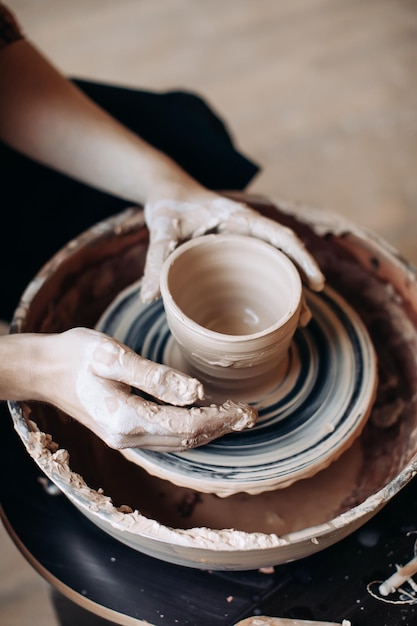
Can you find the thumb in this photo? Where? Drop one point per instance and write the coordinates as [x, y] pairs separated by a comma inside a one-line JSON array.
[[163, 238], [156, 255]]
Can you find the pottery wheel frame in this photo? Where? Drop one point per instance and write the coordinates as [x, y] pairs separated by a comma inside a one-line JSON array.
[[77, 285]]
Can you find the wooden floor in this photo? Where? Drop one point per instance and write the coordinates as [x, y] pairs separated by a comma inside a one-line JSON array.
[[321, 93]]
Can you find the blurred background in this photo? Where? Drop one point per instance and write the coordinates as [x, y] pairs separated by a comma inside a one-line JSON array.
[[322, 94]]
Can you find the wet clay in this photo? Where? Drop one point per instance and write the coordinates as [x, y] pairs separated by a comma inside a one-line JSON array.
[[383, 294]]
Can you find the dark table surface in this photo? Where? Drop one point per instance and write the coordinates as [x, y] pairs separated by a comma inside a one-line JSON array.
[[97, 571]]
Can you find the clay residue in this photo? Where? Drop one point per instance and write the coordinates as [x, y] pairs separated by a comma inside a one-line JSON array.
[[93, 501]]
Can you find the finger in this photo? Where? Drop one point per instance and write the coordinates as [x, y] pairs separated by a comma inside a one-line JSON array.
[[117, 365], [163, 427], [164, 235], [158, 380], [248, 222], [155, 257]]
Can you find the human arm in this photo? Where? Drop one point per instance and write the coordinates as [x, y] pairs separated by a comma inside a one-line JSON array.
[[48, 118], [91, 377]]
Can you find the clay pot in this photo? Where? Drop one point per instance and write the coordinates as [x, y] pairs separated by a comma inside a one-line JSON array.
[[233, 305]]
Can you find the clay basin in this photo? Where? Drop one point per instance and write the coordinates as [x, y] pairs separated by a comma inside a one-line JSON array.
[[242, 531]]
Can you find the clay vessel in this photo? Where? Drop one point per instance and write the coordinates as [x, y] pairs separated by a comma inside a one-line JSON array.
[[233, 305]]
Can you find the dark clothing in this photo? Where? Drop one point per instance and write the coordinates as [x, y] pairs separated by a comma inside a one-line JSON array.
[[9, 28]]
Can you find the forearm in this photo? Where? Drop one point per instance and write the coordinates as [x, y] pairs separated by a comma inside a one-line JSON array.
[[46, 117], [22, 365]]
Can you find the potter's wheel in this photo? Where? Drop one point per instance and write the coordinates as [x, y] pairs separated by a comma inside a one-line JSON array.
[[240, 532], [317, 406]]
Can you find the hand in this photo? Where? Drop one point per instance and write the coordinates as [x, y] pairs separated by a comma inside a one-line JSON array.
[[172, 221], [90, 376]]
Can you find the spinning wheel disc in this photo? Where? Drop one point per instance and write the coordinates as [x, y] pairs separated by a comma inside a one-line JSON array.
[[318, 406]]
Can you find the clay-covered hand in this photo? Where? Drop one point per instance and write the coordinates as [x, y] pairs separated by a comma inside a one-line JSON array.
[[172, 221], [91, 377]]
